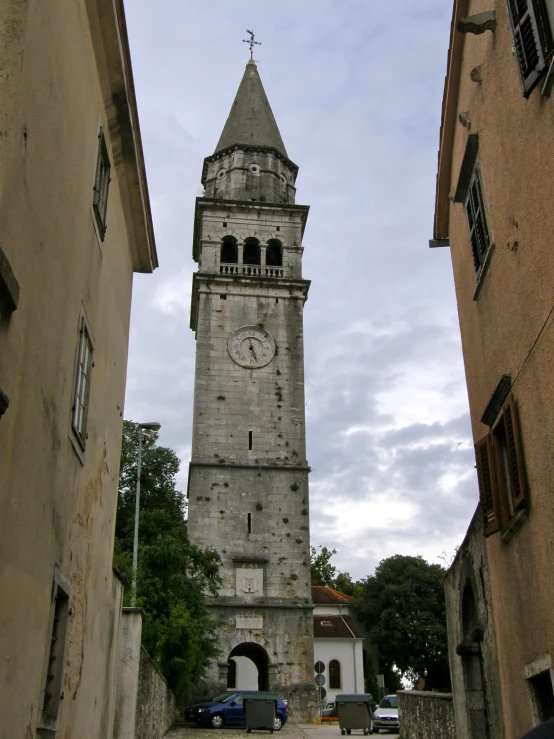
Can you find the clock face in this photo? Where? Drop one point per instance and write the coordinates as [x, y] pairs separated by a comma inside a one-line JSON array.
[[251, 346]]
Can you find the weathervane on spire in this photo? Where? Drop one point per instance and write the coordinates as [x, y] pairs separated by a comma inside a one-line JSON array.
[[251, 43]]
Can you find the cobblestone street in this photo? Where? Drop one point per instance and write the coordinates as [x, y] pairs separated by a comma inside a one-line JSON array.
[[290, 731]]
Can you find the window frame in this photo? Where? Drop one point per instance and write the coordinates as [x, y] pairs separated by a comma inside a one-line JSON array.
[[335, 680], [101, 185], [530, 25], [85, 338], [501, 472], [54, 668]]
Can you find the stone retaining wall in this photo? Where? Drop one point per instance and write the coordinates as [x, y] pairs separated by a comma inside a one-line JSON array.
[[155, 701], [426, 715]]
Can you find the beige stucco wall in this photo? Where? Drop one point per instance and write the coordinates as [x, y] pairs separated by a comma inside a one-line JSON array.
[[508, 330], [56, 508]]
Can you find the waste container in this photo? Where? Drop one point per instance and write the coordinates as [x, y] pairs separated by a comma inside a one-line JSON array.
[[354, 712], [260, 710]]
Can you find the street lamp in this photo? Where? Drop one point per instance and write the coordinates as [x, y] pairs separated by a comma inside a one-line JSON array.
[[143, 427]]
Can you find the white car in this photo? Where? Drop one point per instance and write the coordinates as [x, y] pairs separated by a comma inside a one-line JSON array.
[[385, 717]]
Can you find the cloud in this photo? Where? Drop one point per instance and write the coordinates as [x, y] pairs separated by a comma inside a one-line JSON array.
[[356, 89]]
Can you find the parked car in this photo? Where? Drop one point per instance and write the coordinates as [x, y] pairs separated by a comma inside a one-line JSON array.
[[227, 710], [330, 710], [385, 717]]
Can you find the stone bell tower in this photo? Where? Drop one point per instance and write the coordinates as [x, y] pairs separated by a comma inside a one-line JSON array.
[[248, 480]]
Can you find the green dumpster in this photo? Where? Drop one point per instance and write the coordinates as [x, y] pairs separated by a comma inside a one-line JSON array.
[[260, 710], [354, 712]]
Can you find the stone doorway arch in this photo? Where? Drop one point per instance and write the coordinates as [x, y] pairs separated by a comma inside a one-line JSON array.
[[258, 656], [472, 663]]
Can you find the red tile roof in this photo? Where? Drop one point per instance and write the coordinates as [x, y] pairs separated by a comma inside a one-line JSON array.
[[326, 594], [336, 627]]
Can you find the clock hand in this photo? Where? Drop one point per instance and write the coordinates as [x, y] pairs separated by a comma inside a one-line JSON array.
[[252, 352]]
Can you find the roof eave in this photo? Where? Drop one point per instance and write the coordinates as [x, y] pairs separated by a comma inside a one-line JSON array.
[[448, 123], [111, 48]]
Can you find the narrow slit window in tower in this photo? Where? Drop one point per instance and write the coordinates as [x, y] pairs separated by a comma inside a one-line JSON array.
[[249, 523], [250, 440]]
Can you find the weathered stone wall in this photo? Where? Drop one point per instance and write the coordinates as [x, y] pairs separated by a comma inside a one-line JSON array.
[[155, 701], [426, 715], [472, 645]]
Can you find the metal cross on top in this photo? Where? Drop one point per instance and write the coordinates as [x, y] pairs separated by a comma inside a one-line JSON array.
[[250, 41]]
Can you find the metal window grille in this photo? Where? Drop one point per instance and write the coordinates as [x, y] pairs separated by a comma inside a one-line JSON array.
[[82, 383], [101, 185]]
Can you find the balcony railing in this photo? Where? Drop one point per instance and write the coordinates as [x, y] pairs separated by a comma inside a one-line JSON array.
[[251, 270]]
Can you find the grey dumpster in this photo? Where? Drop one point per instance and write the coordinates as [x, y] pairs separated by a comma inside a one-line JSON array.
[[260, 710], [354, 712]]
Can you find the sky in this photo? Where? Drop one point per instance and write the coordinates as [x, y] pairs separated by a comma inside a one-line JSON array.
[[356, 89]]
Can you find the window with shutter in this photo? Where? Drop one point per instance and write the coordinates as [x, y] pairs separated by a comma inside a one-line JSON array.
[[500, 472], [532, 40], [487, 485], [514, 456], [477, 222]]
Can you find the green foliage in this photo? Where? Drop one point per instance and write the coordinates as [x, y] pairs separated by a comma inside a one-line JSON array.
[[323, 572], [403, 607], [370, 678], [173, 574]]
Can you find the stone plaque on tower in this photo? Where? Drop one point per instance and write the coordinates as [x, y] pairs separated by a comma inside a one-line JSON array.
[[248, 479]]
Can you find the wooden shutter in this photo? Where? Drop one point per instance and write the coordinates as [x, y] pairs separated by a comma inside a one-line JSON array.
[[488, 489], [515, 454], [478, 231], [532, 39]]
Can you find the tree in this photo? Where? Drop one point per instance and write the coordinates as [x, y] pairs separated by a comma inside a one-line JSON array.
[[403, 607], [323, 572], [173, 574]]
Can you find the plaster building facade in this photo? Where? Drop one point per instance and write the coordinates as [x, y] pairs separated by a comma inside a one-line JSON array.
[[494, 210], [338, 643], [75, 224], [248, 481]]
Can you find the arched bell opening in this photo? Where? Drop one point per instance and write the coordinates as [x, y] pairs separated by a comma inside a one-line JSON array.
[[252, 252], [274, 254], [229, 250], [252, 662]]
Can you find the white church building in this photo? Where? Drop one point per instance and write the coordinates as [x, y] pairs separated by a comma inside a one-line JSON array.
[[338, 643]]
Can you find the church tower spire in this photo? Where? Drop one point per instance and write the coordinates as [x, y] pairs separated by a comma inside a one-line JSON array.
[[250, 161], [248, 480], [251, 121]]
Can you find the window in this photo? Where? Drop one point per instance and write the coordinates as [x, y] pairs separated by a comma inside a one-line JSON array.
[[532, 40], [334, 675], [101, 185], [232, 674], [229, 251], [274, 254], [500, 472], [469, 191], [53, 672], [82, 382], [251, 251], [541, 685], [477, 222]]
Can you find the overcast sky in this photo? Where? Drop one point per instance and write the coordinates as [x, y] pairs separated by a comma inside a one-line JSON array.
[[356, 88]]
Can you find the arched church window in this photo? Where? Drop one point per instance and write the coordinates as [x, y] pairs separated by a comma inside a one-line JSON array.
[[251, 251], [274, 254], [334, 674], [232, 674], [229, 250]]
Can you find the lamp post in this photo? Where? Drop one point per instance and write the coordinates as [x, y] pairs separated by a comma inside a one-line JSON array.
[[152, 426]]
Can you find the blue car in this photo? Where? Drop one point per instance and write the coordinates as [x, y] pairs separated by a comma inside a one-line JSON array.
[[227, 710]]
